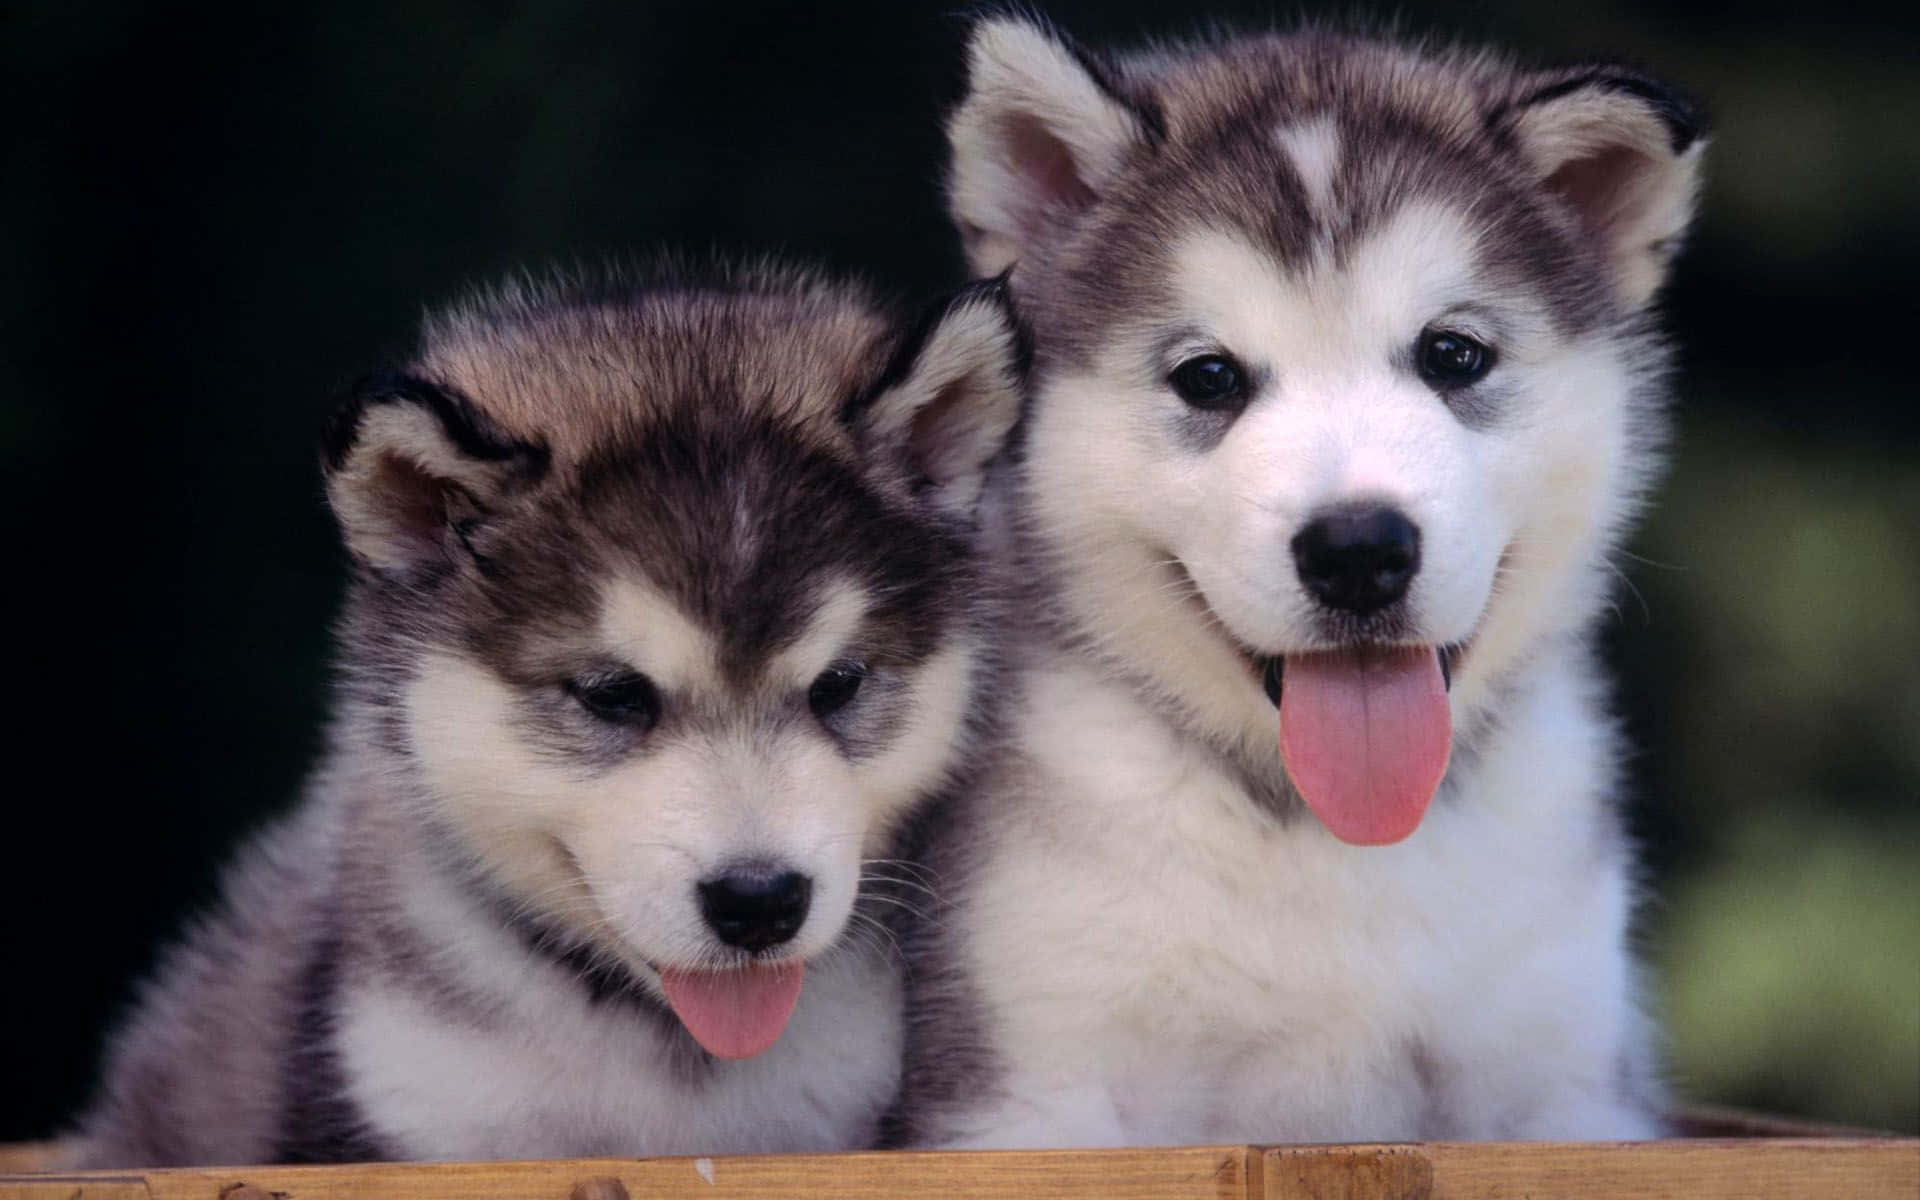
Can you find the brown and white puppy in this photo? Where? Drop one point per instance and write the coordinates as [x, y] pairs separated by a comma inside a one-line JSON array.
[[665, 623], [1345, 387]]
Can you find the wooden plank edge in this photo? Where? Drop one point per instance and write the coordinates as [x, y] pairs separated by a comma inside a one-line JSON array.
[[1704, 1169], [1693, 1121], [1183, 1173], [17, 1158]]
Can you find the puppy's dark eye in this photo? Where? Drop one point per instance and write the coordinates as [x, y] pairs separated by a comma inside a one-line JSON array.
[[629, 699], [1451, 360], [1211, 382], [834, 688]]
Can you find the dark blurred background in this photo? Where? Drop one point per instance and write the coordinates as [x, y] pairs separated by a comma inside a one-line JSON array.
[[217, 216]]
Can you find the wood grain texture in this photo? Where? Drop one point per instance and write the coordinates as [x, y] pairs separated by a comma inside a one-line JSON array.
[[1879, 1169], [1192, 1173], [75, 1187], [1346, 1172], [1819, 1169], [21, 1157]]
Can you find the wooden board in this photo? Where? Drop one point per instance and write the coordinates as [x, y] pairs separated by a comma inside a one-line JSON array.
[[19, 1157], [1839, 1169], [1193, 1173], [1880, 1169]]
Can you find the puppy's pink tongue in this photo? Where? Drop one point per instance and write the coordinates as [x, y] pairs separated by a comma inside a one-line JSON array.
[[737, 1013], [1366, 735]]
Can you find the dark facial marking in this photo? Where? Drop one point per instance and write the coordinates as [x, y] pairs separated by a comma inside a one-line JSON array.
[[1460, 370], [1211, 383], [673, 506], [869, 721], [738, 521]]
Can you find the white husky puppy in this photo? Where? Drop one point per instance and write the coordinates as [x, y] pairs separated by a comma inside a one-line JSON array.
[[664, 625], [1345, 386]]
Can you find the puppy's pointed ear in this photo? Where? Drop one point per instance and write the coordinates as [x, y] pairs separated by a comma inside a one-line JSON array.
[[949, 398], [412, 468], [1623, 152], [1040, 131]]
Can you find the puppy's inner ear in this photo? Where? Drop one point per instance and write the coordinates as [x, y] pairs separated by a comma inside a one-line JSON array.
[[412, 467], [946, 405], [1038, 133], [1624, 154], [411, 509], [953, 436], [1044, 161]]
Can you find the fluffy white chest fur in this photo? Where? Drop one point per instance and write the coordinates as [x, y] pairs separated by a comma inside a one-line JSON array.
[[553, 1071], [1161, 961]]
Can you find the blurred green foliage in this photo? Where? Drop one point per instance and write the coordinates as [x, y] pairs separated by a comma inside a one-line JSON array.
[[1787, 944], [219, 213], [1781, 978]]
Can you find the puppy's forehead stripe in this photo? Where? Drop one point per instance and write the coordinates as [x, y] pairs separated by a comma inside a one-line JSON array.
[[1314, 148]]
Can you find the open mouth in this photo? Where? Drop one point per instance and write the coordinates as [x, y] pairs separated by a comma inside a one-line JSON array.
[[1272, 667], [1365, 732], [1366, 729], [735, 1012]]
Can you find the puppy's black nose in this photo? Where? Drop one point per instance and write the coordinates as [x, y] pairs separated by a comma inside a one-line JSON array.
[[1358, 558], [755, 907]]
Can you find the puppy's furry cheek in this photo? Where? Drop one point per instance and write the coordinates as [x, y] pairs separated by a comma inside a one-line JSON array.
[[492, 789], [925, 737], [633, 839], [1566, 480], [1227, 519]]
